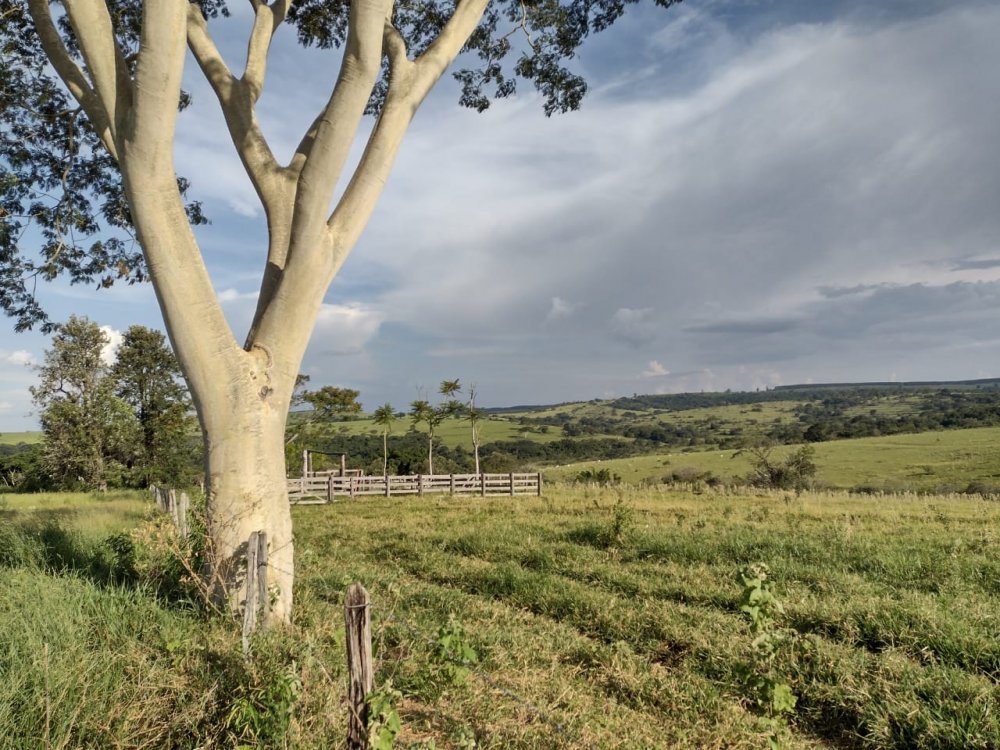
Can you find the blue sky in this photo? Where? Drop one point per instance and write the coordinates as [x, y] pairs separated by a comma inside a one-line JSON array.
[[754, 193]]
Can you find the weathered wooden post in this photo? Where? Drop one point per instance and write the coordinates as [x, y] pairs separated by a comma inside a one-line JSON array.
[[420, 484], [358, 632], [329, 489], [482, 485], [511, 477], [452, 484], [182, 515], [343, 464], [256, 592], [539, 477]]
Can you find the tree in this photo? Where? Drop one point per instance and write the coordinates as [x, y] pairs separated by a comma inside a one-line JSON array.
[[146, 376], [473, 414], [107, 163], [422, 411], [384, 417], [332, 403], [90, 434], [449, 389], [299, 390]]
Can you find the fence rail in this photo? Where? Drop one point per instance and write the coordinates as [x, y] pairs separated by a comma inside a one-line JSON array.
[[315, 490]]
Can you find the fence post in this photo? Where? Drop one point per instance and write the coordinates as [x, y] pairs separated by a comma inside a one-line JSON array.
[[482, 485], [357, 621], [329, 489], [351, 480], [182, 515], [420, 484], [452, 484], [250, 602], [539, 476], [512, 484], [388, 483]]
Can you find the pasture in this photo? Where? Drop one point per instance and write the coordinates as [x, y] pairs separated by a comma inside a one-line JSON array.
[[598, 617], [948, 461]]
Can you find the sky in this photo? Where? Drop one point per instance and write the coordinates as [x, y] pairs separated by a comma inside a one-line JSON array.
[[754, 193]]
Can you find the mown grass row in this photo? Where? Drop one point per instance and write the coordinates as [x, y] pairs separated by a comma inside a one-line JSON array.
[[900, 599]]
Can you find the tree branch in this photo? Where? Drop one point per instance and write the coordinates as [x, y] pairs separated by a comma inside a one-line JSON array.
[[368, 181], [71, 74], [237, 102], [409, 84], [324, 148], [197, 327], [91, 24], [443, 50], [267, 19]]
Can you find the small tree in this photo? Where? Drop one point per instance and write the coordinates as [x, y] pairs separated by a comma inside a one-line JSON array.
[[90, 434], [473, 415], [384, 416], [422, 411], [146, 376], [795, 472]]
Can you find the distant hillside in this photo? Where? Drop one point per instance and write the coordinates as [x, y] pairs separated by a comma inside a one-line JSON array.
[[949, 384]]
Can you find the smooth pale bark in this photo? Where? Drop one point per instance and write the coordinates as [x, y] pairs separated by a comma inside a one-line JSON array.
[[242, 393]]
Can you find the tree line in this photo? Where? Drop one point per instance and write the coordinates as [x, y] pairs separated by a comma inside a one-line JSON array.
[[121, 420]]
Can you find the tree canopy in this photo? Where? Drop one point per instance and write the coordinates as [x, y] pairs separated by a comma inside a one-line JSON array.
[[63, 211]]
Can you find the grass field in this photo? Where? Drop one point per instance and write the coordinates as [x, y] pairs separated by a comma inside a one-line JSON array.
[[601, 618], [948, 460], [13, 438], [451, 432]]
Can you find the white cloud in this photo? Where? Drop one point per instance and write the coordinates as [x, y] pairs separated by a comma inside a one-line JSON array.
[[109, 351], [344, 329], [20, 357], [234, 295], [655, 370], [560, 309], [635, 326]]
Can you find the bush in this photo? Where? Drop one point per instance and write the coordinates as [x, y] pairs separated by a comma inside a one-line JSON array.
[[597, 476], [795, 472]]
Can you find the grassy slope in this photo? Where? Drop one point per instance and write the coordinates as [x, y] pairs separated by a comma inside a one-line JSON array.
[[585, 638], [925, 460], [635, 643], [451, 432], [13, 438]]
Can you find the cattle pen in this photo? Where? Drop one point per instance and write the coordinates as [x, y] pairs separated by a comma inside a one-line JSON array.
[[319, 489]]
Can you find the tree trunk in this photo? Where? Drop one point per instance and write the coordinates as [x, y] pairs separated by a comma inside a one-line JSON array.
[[247, 491]]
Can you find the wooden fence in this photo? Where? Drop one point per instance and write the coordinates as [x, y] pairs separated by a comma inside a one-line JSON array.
[[315, 490], [169, 501]]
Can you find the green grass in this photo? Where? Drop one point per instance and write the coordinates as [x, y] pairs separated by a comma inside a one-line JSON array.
[[451, 432], [93, 515], [14, 438], [602, 617], [948, 460], [636, 641]]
